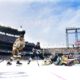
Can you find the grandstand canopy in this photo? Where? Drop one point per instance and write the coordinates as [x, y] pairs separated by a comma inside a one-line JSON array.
[[9, 30]]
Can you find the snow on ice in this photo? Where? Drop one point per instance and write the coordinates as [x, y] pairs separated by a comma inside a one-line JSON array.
[[41, 72]]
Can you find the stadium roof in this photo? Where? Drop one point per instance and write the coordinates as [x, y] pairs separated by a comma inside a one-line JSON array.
[[9, 30], [72, 28]]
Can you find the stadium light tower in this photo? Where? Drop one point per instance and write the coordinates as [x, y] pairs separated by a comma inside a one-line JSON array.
[[74, 42]]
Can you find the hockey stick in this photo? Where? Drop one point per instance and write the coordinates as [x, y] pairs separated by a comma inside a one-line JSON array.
[[37, 60], [37, 52], [1, 59], [29, 61]]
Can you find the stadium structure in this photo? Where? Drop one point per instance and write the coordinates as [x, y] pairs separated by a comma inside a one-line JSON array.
[[72, 37], [72, 40], [7, 38], [33, 70]]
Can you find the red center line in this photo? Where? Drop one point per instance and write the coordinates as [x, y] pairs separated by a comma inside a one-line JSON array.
[[58, 76]]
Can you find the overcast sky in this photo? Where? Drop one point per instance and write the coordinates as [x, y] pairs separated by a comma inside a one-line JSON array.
[[44, 20]]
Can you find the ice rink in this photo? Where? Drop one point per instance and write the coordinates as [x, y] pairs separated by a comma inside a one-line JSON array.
[[41, 72]]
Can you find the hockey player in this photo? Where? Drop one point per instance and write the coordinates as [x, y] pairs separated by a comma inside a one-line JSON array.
[[18, 46], [64, 60], [38, 51], [35, 51]]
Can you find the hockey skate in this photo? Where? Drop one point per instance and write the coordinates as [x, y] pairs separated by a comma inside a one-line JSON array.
[[9, 63], [18, 63]]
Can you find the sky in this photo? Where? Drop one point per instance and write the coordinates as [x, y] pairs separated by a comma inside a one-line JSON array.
[[44, 21]]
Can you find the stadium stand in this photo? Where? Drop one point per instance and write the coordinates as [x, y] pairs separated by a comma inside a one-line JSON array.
[[7, 38], [9, 30], [64, 50]]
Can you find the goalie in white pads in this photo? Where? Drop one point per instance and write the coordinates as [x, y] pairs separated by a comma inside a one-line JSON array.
[[18, 46]]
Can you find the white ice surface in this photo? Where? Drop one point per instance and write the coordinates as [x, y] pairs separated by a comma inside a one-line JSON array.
[[41, 72]]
